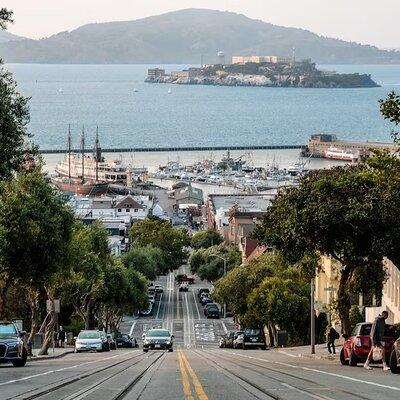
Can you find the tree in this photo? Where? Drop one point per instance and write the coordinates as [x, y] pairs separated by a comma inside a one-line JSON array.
[[336, 212], [282, 302], [205, 239], [161, 234], [35, 229], [14, 112], [209, 263], [147, 260]]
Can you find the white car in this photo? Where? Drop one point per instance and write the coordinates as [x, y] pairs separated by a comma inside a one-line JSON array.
[[184, 287], [92, 340]]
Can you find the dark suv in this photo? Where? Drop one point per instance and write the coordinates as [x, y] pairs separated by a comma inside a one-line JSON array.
[[158, 339], [12, 347], [253, 337]]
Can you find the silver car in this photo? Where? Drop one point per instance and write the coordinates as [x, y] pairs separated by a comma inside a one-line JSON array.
[[92, 340]]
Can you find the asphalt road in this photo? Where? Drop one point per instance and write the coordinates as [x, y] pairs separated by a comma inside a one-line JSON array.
[[197, 369]]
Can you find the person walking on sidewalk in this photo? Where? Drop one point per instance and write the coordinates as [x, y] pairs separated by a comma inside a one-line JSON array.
[[377, 333], [61, 337], [332, 335]]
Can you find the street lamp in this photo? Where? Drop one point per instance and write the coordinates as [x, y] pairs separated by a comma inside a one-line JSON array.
[[225, 261]]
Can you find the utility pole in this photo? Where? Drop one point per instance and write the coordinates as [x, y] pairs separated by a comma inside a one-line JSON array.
[[225, 262], [312, 316]]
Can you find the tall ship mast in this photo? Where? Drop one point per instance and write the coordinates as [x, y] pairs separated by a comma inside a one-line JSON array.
[[87, 174]]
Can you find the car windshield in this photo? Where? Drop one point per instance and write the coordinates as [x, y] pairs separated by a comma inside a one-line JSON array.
[[7, 330], [252, 331], [365, 330], [88, 335], [158, 333]]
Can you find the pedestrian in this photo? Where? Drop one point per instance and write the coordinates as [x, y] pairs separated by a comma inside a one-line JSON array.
[[331, 336], [377, 333], [61, 336]]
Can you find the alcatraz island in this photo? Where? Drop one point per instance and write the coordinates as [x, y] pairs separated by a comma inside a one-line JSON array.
[[263, 71]]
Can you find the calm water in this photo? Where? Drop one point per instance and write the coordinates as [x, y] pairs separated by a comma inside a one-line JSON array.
[[193, 115]]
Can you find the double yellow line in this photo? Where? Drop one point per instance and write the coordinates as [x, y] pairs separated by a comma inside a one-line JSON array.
[[186, 370]]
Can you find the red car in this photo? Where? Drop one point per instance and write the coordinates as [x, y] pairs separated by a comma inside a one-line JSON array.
[[357, 346]]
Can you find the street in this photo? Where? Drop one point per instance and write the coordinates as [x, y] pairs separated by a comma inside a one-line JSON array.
[[197, 369]]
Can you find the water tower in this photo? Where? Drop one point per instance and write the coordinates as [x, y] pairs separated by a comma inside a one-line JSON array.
[[221, 57]]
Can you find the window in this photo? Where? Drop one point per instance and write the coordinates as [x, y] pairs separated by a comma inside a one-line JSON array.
[[119, 209], [135, 210], [128, 210]]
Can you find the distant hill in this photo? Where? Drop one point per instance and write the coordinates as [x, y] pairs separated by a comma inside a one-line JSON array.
[[182, 37], [7, 37]]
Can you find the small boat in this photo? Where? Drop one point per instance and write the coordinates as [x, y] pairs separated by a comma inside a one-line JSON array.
[[169, 91], [135, 90]]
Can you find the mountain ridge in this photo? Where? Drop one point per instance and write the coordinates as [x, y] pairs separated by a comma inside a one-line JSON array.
[[182, 37]]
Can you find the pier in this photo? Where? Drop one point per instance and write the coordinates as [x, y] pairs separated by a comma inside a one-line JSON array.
[[174, 149]]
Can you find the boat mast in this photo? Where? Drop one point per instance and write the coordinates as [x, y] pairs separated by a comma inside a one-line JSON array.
[[97, 153], [69, 152], [83, 153]]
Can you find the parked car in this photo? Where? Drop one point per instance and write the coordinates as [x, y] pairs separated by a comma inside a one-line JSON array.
[[152, 299], [148, 312], [111, 342], [254, 337], [357, 346], [202, 290], [12, 346], [124, 340], [205, 300], [238, 340], [184, 287], [158, 339], [394, 361], [91, 340], [212, 306], [227, 341], [158, 289]]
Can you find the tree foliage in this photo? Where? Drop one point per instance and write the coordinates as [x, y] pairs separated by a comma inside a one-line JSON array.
[[209, 264], [161, 234], [205, 239]]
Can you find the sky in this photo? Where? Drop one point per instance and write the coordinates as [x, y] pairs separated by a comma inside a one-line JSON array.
[[364, 21]]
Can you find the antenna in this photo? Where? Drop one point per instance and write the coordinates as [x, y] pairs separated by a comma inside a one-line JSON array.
[[97, 153], [293, 55], [201, 61]]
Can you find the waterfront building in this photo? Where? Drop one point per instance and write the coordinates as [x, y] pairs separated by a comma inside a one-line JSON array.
[[154, 73], [320, 144], [260, 59]]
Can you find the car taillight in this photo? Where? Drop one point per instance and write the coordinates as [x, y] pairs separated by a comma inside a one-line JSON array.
[[358, 342]]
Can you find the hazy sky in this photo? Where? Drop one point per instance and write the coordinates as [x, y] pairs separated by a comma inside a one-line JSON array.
[[366, 21]]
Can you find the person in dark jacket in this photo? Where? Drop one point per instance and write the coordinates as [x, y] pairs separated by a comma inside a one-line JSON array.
[[377, 333], [331, 336], [61, 337]]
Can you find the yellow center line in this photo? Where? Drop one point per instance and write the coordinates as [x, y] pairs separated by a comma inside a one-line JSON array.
[[197, 385], [187, 391]]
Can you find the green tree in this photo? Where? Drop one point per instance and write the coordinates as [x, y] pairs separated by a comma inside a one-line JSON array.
[[282, 302], [35, 229], [161, 234], [209, 263], [205, 239], [355, 315], [147, 260], [14, 112]]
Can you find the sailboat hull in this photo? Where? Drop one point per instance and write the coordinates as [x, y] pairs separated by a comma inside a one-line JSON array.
[[83, 189]]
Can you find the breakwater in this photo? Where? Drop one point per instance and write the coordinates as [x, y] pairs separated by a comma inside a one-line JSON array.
[[174, 149]]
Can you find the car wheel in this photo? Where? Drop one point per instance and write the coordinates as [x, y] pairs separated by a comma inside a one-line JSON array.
[[353, 359], [244, 347], [171, 350], [22, 361], [342, 357], [393, 362], [264, 348], [145, 350]]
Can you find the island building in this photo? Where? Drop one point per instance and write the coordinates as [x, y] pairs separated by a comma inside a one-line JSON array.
[[260, 59], [321, 143], [186, 73], [154, 73]]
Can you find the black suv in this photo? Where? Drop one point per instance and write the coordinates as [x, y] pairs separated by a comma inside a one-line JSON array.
[[254, 337], [158, 339], [12, 347]]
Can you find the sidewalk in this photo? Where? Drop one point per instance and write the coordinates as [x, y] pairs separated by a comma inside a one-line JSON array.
[[321, 352], [58, 353]]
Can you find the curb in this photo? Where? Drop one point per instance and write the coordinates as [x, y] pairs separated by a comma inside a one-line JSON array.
[[52, 357]]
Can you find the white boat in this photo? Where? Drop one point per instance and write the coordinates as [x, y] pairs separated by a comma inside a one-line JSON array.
[[169, 91], [135, 90], [334, 153]]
